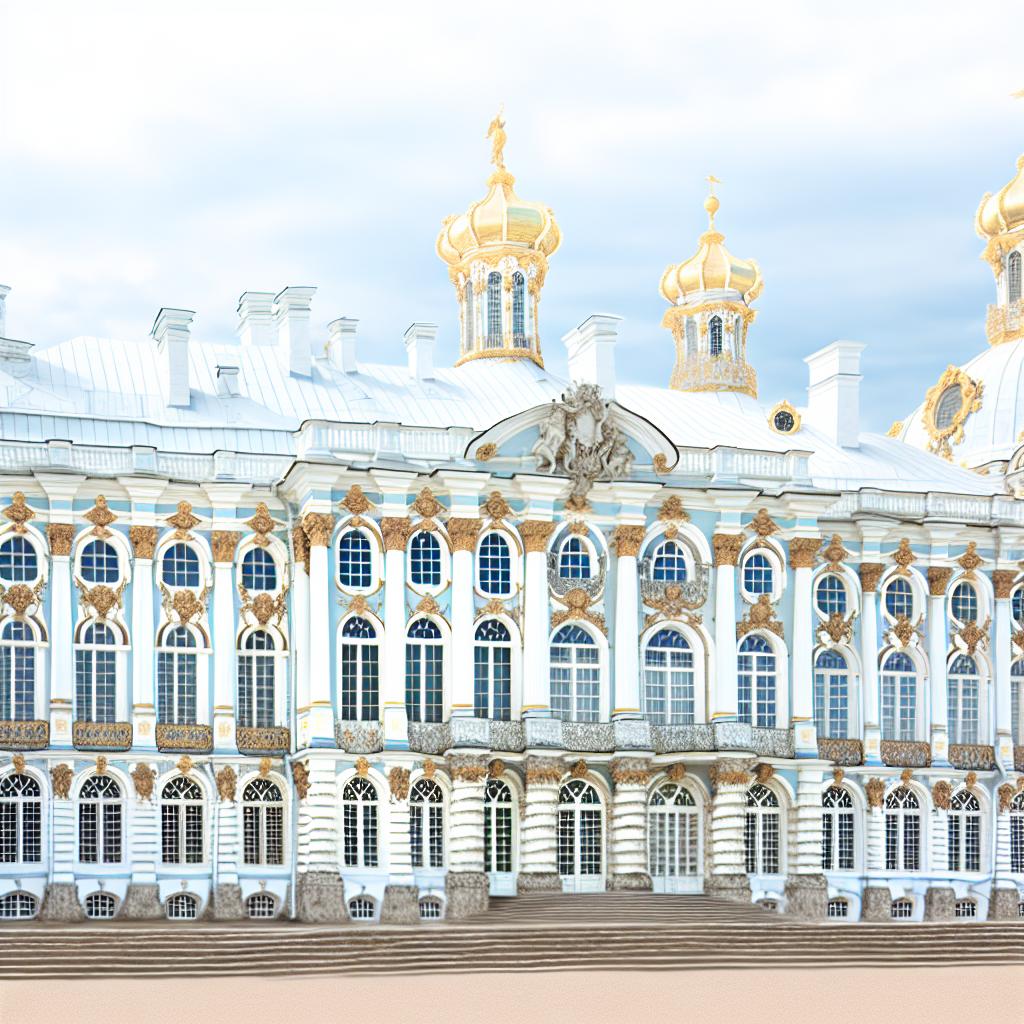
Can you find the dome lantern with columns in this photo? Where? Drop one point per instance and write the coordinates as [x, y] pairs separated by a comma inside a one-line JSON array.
[[497, 255], [1000, 221], [711, 294]]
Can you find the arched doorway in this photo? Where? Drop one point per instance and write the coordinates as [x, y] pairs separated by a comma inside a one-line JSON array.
[[580, 837], [499, 838], [673, 839]]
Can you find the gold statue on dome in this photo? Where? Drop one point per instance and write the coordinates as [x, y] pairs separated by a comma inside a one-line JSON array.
[[496, 133]]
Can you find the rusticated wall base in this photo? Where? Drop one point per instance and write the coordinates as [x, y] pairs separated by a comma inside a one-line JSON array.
[[939, 904], [633, 881], [61, 903], [142, 903], [466, 892], [227, 903], [1005, 904], [401, 905], [730, 887], [876, 904], [538, 881], [320, 898], [807, 897]]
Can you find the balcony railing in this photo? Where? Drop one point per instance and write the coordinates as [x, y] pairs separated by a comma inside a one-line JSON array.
[[263, 739], [24, 735], [1005, 323], [562, 585], [906, 754], [184, 739], [841, 751], [358, 737], [102, 735], [972, 755], [672, 597]]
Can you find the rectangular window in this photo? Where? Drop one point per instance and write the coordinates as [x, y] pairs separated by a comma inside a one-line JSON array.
[[169, 833], [87, 842], [416, 834], [1017, 842], [845, 847], [566, 843]]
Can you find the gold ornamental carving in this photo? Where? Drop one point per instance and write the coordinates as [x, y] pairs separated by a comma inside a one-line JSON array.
[[660, 464], [496, 508], [362, 767], [971, 780], [356, 502], [630, 771], [101, 598], [101, 765], [970, 560], [972, 636], [263, 607], [300, 776], [184, 604], [763, 525], [429, 769], [428, 606], [1018, 638], [875, 789], [143, 778], [300, 545], [1002, 582], [183, 521], [627, 540], [223, 544], [579, 769], [577, 606], [61, 536], [547, 771], [786, 407], [101, 517], [262, 524], [729, 773], [837, 628], [834, 553], [870, 573], [672, 510], [940, 439], [904, 630], [838, 775], [672, 604], [18, 512], [904, 557], [896, 429], [18, 762], [727, 548], [318, 527], [676, 772], [463, 533], [486, 452], [395, 532], [20, 597], [760, 616], [398, 782], [803, 552], [938, 579], [942, 793], [496, 768], [1006, 795], [467, 768], [227, 783], [143, 540], [61, 775], [535, 534], [763, 773], [265, 765], [426, 505], [906, 775], [185, 764]]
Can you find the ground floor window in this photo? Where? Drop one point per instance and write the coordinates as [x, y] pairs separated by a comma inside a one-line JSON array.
[[902, 910], [361, 908], [965, 908], [17, 905], [182, 907], [261, 905], [838, 908], [100, 906], [430, 908]]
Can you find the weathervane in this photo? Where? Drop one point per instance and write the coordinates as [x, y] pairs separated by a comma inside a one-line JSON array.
[[496, 133]]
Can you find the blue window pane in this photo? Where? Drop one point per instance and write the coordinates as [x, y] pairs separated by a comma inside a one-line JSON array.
[[355, 560], [425, 559], [574, 560], [180, 566], [831, 595], [495, 565], [899, 598], [670, 563], [757, 574], [18, 562], [259, 572], [99, 562]]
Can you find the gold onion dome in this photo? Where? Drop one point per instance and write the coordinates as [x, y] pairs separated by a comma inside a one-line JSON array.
[[1003, 212], [711, 267]]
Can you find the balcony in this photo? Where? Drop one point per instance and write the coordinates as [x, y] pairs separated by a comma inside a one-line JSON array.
[[841, 751], [671, 598], [184, 739], [24, 735], [563, 585], [714, 373], [263, 740], [1005, 323], [102, 735], [906, 754], [972, 755], [357, 737]]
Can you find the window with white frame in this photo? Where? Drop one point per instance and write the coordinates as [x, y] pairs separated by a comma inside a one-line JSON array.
[[100, 819], [1017, 834], [360, 671], [519, 338], [263, 823], [762, 832], [256, 673], [182, 907], [899, 598], [100, 906], [181, 818], [668, 693], [1017, 701], [492, 671], [1013, 277], [261, 906], [498, 816], [494, 310], [19, 562], [832, 695], [758, 574], [964, 831], [580, 829], [494, 562], [426, 824], [901, 910], [21, 820], [18, 643], [575, 675], [963, 686], [96, 675], [180, 566], [902, 830], [965, 908], [669, 563], [899, 697], [830, 595], [964, 603], [756, 684], [1017, 606], [715, 332], [425, 560], [355, 560], [359, 823], [430, 908], [99, 562], [574, 560], [259, 570], [18, 905], [837, 830], [176, 668], [361, 908], [424, 672], [838, 908], [673, 832]]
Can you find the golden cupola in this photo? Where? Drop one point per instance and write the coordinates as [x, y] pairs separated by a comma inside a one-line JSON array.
[[497, 255], [710, 295], [1000, 221]]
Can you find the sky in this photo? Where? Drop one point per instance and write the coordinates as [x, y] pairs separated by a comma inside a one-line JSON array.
[[182, 154]]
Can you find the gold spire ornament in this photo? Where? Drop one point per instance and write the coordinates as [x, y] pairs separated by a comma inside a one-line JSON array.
[[496, 133]]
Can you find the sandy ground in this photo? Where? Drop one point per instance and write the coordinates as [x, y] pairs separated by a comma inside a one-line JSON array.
[[992, 995]]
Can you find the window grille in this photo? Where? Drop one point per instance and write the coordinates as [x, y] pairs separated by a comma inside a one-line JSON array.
[[355, 560], [668, 679], [575, 675], [259, 570], [756, 682]]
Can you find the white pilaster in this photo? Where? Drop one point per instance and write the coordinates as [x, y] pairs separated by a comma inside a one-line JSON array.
[[536, 684], [318, 527], [939, 702], [540, 816], [628, 538], [318, 832], [61, 667], [1002, 650], [871, 708], [224, 670], [466, 834], [300, 639], [728, 812], [875, 840], [808, 822], [725, 705], [462, 631], [629, 822], [802, 553], [143, 692], [396, 721]]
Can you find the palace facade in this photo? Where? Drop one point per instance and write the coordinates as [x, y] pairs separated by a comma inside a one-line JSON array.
[[286, 633]]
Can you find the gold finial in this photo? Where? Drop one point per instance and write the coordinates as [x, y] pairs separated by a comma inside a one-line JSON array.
[[711, 204], [496, 133]]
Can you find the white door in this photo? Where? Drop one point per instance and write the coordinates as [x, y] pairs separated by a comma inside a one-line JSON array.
[[499, 835], [580, 838], [673, 840]]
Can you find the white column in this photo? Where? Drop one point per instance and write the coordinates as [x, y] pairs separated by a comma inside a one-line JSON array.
[[536, 618], [141, 829], [539, 860], [728, 813], [300, 634], [61, 670], [227, 852], [1001, 860], [224, 543], [808, 822], [62, 867], [1002, 584], [318, 527], [802, 554], [938, 640], [726, 703], [627, 628], [466, 830], [875, 839], [143, 540], [871, 708], [939, 847], [399, 849], [463, 534], [629, 823], [396, 724], [318, 833]]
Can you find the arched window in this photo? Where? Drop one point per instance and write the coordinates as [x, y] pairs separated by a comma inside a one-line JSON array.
[[21, 820], [963, 685], [359, 823], [756, 682], [497, 826], [17, 672], [495, 565], [180, 566], [256, 680], [259, 570], [831, 595], [18, 561], [494, 310], [100, 906], [580, 828], [181, 821], [1017, 834], [20, 905], [1013, 277], [762, 831], [182, 906], [901, 910], [362, 908], [430, 908], [899, 698], [96, 675], [832, 695], [669, 564], [902, 831], [99, 562], [100, 815], [964, 603], [263, 822], [758, 574], [899, 598], [355, 560], [176, 678], [668, 679], [964, 832], [574, 559], [360, 671], [470, 314], [1017, 606], [424, 672], [575, 676], [425, 560], [837, 825], [261, 905], [673, 830], [492, 671], [1017, 701], [426, 824], [715, 333], [519, 339]]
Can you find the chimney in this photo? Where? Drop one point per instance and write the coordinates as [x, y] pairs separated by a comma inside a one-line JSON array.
[[171, 331], [256, 318], [591, 348], [293, 334], [227, 381], [833, 392], [419, 344], [341, 344], [4, 292]]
